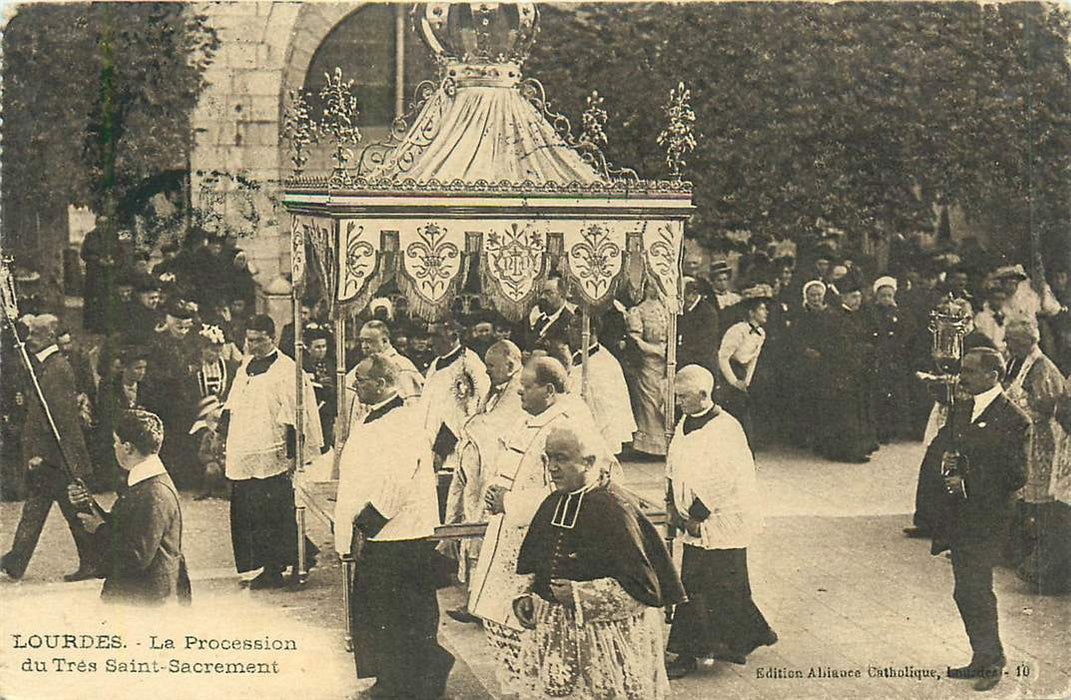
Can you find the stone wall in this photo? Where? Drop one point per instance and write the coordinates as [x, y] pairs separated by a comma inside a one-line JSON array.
[[236, 124], [265, 52]]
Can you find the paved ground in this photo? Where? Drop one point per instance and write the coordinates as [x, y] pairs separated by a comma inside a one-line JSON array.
[[843, 589]]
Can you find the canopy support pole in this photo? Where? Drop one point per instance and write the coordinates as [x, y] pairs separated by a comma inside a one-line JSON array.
[[671, 412], [299, 422], [341, 410], [671, 372], [585, 346]]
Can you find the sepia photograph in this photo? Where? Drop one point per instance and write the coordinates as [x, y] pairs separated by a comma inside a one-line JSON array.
[[565, 350]]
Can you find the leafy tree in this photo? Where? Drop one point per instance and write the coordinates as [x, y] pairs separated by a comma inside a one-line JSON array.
[[859, 115], [97, 99]]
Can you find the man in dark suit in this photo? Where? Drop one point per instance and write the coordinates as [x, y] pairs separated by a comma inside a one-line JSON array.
[[553, 320], [143, 532], [992, 437], [697, 329], [41, 454]]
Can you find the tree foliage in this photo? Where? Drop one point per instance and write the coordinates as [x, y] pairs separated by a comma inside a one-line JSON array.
[[859, 115], [97, 99]]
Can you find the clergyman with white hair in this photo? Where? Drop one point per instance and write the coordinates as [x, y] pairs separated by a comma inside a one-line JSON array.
[[712, 496], [600, 575], [478, 450]]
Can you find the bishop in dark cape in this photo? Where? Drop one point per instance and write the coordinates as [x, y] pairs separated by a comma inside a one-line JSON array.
[[600, 574]]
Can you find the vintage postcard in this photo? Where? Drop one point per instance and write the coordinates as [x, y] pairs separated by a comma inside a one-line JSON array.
[[535, 350]]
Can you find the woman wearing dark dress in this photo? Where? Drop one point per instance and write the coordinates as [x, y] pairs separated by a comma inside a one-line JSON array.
[[850, 434]]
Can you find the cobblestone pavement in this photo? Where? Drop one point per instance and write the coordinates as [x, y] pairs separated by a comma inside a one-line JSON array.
[[831, 572]]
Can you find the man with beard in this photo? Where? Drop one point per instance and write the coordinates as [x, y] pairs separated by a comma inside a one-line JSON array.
[[550, 319], [260, 422], [721, 279], [697, 329], [173, 355], [144, 314]]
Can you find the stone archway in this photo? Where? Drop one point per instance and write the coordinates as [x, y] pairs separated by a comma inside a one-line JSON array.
[[387, 62]]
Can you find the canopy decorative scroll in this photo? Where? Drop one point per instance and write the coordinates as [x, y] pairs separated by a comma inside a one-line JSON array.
[[297, 251], [432, 260], [662, 255], [514, 260], [594, 256]]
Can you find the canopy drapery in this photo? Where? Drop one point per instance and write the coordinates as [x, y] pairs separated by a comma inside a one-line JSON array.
[[428, 258]]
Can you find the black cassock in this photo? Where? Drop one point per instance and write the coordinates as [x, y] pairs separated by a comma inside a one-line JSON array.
[[850, 433]]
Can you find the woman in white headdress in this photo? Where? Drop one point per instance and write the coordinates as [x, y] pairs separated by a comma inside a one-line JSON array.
[[810, 389], [891, 377]]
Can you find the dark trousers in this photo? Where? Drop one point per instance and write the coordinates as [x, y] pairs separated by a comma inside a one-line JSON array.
[[46, 485], [720, 614], [972, 569], [738, 405], [395, 619]]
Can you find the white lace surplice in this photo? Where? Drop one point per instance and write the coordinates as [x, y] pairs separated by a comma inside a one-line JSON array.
[[608, 646]]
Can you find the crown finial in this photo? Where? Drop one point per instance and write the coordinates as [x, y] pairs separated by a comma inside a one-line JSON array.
[[477, 32]]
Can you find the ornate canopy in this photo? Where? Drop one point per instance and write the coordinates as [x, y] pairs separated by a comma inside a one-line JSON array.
[[484, 172]]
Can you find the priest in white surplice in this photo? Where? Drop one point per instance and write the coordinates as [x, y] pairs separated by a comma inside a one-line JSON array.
[[260, 419], [455, 384], [385, 512], [513, 496], [607, 393], [478, 452], [375, 340], [712, 496]]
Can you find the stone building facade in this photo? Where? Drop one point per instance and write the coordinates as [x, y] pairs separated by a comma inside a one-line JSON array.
[[269, 49]]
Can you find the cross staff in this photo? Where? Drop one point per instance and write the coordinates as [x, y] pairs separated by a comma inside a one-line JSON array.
[[9, 300]]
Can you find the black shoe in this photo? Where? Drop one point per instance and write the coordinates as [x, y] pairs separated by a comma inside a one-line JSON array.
[[267, 579], [916, 533], [962, 672], [681, 667], [463, 615], [769, 640], [731, 656], [380, 690], [988, 677], [80, 575], [8, 574]]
